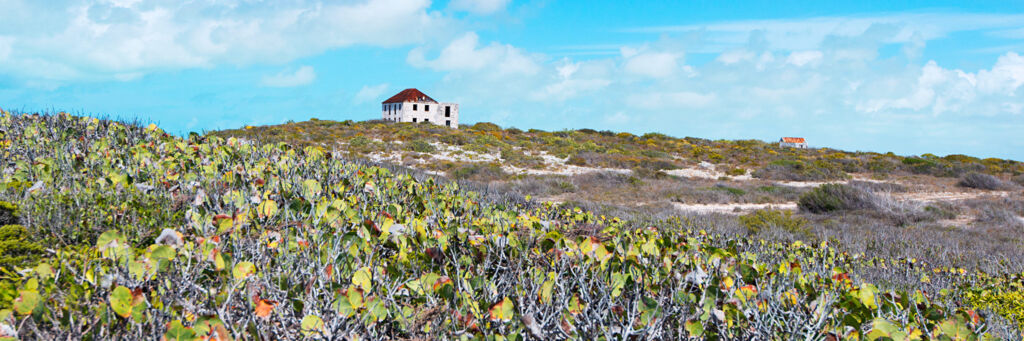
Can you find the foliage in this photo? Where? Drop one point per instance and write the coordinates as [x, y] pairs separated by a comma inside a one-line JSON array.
[[796, 170], [155, 236], [760, 220], [8, 213], [768, 219], [16, 247], [1003, 295], [981, 181], [835, 197], [627, 151]]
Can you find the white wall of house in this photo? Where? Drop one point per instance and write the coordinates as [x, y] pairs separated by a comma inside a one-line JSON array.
[[792, 145], [443, 114]]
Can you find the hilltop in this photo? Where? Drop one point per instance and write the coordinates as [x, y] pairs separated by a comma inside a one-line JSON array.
[[117, 231]]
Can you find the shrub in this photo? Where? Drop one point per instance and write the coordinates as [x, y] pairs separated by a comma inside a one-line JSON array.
[[8, 213], [981, 181], [761, 220], [793, 170], [359, 141], [486, 126], [16, 250], [577, 161], [730, 190], [479, 171], [736, 172], [1019, 179], [421, 146], [835, 197]]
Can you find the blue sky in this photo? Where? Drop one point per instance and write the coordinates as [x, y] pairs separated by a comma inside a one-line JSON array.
[[914, 77]]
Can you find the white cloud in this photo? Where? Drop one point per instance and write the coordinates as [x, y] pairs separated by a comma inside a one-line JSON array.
[[806, 34], [478, 6], [652, 64], [670, 100], [940, 90], [301, 76], [1005, 77], [94, 39], [464, 55], [801, 58], [370, 93]]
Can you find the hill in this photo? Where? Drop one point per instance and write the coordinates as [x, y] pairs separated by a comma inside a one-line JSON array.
[[116, 231], [914, 207]]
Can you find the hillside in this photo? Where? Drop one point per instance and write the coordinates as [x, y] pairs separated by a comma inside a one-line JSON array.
[[116, 231], [921, 205]]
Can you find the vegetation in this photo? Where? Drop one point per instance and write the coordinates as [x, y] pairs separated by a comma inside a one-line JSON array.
[[982, 181], [627, 151], [155, 236], [762, 220], [836, 197]]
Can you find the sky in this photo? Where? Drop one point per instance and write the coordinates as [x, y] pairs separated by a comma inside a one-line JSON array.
[[911, 77]]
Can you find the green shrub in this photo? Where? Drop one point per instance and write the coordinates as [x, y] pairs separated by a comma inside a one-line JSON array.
[[8, 213], [794, 170], [479, 171], [730, 190], [761, 220], [577, 161], [16, 250], [835, 197], [359, 141], [736, 172], [421, 146], [486, 126]]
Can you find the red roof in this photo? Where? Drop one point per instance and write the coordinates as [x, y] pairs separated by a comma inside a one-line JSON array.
[[793, 140], [410, 95]]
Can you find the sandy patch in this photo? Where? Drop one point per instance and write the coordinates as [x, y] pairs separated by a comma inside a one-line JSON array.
[[947, 196], [444, 152], [736, 208], [705, 170]]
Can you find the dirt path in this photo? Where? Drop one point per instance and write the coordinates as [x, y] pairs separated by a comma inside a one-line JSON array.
[[922, 197], [927, 197], [736, 208]]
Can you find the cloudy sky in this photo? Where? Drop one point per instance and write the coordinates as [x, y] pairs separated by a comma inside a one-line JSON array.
[[917, 77]]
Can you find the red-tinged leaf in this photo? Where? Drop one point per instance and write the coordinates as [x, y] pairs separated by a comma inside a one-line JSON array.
[[264, 307], [441, 282], [502, 311], [974, 316]]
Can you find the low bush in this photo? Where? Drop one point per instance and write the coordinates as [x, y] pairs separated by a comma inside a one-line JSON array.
[[8, 213], [421, 146], [792, 170], [835, 197], [576, 160], [730, 190], [479, 172], [16, 249], [981, 181], [761, 220], [359, 141], [486, 126], [736, 172]]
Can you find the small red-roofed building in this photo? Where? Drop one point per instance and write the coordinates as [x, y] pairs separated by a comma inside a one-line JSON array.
[[793, 142], [412, 105]]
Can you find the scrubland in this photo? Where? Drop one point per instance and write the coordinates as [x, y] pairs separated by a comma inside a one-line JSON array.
[[112, 230]]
